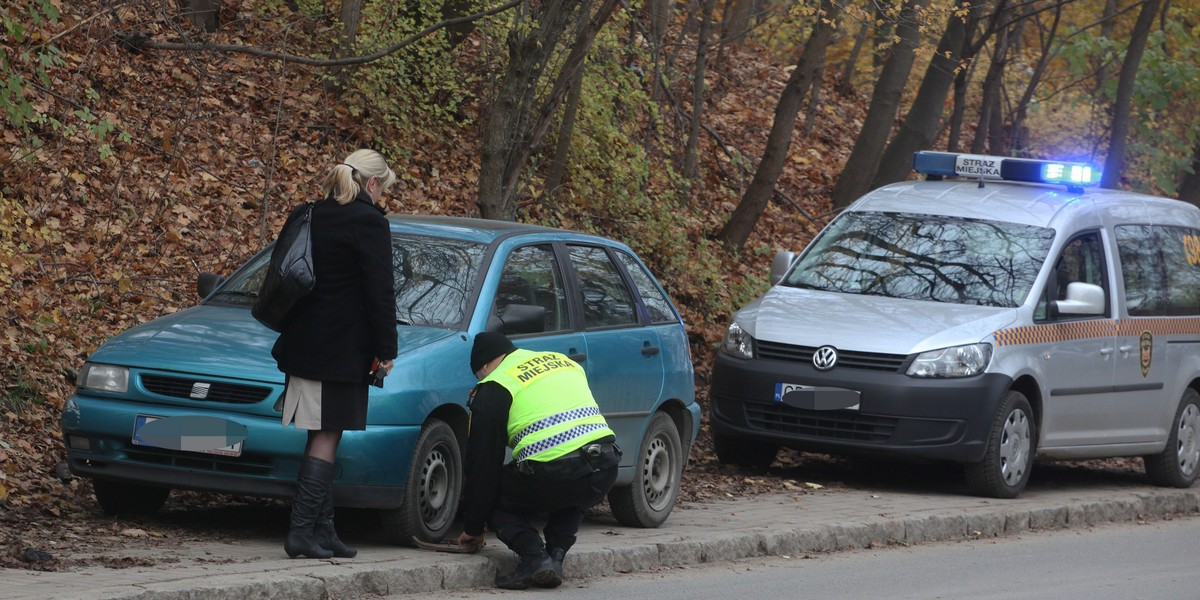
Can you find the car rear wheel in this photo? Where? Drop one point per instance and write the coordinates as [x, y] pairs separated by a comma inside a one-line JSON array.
[[744, 452], [432, 490], [122, 498], [1011, 442], [658, 470], [1176, 465]]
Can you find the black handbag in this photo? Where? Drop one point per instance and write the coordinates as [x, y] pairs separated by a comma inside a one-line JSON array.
[[290, 275]]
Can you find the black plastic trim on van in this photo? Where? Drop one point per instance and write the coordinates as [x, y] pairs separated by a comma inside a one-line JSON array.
[[1106, 389]]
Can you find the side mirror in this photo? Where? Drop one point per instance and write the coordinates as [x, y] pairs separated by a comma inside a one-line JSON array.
[[206, 283], [1082, 299], [779, 265], [518, 318]]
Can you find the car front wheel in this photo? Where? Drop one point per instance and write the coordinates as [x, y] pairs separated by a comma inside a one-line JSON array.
[[1176, 465], [658, 469], [1011, 442], [432, 490]]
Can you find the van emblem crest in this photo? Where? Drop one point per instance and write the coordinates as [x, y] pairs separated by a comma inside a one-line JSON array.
[[825, 358], [1146, 351]]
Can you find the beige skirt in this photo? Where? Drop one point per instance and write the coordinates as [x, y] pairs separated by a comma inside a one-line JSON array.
[[324, 405]]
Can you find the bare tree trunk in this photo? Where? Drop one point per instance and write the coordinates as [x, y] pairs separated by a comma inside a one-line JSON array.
[[693, 140], [921, 123], [351, 16], [851, 63], [1019, 131], [762, 187], [204, 14], [562, 149], [659, 12], [1115, 161], [860, 168], [1108, 26], [741, 14], [1189, 188]]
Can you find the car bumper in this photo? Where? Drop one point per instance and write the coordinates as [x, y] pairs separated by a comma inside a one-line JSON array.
[[945, 419], [371, 466]]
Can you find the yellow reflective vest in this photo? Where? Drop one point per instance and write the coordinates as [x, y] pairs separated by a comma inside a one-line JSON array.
[[553, 412]]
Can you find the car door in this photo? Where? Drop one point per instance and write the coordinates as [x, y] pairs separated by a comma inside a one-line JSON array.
[[624, 357], [532, 282]]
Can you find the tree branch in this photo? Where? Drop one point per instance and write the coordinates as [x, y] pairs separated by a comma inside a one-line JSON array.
[[139, 40]]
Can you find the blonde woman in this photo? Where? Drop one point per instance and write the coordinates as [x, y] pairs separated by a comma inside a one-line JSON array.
[[330, 339]]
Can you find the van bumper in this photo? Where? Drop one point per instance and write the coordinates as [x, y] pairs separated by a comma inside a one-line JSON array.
[[945, 419]]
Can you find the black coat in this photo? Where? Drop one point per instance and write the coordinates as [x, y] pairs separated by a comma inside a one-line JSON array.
[[349, 319]]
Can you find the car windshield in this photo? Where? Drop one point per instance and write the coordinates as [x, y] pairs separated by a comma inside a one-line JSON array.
[[925, 257], [433, 280]]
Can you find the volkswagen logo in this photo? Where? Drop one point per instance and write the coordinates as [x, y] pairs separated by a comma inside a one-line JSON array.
[[825, 358]]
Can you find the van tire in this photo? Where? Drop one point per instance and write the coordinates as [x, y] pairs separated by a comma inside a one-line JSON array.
[[1008, 458], [744, 452], [1177, 465], [432, 490]]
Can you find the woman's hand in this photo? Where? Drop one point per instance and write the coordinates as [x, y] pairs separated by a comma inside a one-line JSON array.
[[386, 365]]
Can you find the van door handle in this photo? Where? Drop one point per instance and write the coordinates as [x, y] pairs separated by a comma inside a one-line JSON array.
[[1126, 349], [650, 350], [1106, 351], [579, 357]]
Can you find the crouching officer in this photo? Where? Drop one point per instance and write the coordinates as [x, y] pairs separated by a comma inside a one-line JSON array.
[[564, 459]]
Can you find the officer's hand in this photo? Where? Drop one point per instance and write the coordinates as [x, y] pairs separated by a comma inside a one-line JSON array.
[[467, 540]]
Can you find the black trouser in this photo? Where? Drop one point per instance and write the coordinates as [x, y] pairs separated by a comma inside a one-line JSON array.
[[561, 489]]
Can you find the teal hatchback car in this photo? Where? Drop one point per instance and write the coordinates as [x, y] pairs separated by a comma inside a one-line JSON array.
[[548, 289]]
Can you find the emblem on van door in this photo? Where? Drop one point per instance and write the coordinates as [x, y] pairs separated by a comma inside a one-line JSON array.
[[825, 358], [1146, 351]]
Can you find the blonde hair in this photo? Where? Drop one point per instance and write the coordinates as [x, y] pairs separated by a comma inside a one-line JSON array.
[[345, 180]]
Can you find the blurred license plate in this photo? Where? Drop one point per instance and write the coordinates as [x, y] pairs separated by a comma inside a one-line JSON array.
[[234, 450], [810, 397]]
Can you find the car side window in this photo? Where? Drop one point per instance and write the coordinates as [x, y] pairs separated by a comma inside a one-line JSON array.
[[1081, 260], [532, 278], [607, 301], [656, 303]]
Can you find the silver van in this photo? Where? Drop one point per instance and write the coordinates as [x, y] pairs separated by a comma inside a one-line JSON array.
[[1007, 313]]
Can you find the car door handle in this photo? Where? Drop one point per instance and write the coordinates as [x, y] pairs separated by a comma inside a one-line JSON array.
[[578, 357], [650, 350]]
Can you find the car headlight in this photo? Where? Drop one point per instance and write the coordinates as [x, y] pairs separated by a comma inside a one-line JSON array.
[[959, 361], [737, 342], [103, 378]]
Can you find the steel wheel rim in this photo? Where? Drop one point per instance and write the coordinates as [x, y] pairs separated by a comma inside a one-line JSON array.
[[657, 473], [1188, 447], [1014, 447], [435, 487]]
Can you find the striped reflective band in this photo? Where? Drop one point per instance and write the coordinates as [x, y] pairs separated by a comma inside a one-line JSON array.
[[558, 438], [558, 419]]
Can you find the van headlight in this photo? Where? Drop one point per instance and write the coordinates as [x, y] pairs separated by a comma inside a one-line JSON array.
[[737, 342], [959, 361], [103, 378]]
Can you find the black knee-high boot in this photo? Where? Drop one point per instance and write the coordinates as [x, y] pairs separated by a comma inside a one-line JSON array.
[[312, 485], [327, 536]]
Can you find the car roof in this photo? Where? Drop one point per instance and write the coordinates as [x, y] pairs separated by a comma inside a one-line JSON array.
[[1042, 205], [485, 231]]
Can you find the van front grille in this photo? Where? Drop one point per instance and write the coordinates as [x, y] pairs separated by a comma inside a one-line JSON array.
[[208, 391], [829, 424], [847, 359]]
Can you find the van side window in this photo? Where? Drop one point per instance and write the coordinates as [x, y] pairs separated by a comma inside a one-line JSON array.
[[1161, 269], [1081, 260]]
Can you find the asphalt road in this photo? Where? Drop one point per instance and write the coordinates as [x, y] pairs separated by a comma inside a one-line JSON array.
[[1126, 561]]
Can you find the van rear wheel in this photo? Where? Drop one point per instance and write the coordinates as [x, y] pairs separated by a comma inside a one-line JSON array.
[[1177, 465], [1011, 442]]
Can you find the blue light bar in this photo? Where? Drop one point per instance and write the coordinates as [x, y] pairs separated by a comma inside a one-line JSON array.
[[977, 166]]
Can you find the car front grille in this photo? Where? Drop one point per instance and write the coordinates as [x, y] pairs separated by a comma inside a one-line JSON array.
[[829, 424], [208, 391], [847, 359], [246, 464]]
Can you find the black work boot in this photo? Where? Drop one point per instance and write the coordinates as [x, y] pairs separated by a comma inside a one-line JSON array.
[[534, 569], [327, 536], [312, 484], [556, 560]]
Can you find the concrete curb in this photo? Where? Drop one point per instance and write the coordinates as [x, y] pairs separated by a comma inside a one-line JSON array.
[[919, 520]]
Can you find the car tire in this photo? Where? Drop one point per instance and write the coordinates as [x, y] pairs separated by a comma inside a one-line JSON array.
[[123, 498], [432, 490], [658, 472], [1177, 465], [1008, 457], [744, 452]]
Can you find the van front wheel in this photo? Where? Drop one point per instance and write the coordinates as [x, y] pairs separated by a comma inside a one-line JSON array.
[[1176, 465], [1011, 441]]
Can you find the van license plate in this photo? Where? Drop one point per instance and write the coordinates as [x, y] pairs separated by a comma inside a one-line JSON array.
[[809, 397]]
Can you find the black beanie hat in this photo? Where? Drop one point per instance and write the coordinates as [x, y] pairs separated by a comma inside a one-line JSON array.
[[489, 345]]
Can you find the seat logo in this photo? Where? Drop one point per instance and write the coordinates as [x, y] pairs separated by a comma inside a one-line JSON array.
[[200, 390], [825, 358]]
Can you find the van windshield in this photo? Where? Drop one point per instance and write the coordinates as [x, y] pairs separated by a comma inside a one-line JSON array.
[[925, 257]]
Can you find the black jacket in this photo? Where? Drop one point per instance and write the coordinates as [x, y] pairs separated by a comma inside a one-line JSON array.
[[350, 317]]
